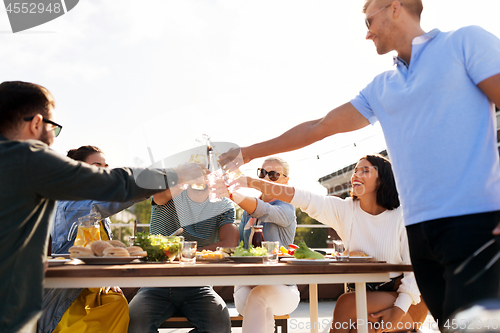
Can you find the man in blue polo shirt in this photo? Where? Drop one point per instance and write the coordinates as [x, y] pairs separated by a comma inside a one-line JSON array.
[[437, 114]]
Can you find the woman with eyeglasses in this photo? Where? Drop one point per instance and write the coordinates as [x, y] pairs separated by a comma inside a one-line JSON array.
[[64, 309], [259, 304], [370, 221]]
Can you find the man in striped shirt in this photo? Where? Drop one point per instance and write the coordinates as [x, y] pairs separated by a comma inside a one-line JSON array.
[[211, 224]]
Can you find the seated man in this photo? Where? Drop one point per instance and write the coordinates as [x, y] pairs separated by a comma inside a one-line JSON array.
[[211, 225]]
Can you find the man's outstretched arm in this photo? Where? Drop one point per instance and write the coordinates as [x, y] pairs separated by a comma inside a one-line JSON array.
[[491, 88], [344, 118]]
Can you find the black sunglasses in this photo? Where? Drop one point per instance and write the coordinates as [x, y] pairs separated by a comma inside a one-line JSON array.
[[57, 129], [273, 175]]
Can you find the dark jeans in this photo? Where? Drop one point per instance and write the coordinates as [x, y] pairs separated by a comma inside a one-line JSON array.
[[439, 246], [202, 306]]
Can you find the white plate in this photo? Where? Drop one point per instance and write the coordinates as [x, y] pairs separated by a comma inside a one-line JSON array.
[[353, 259], [255, 259], [109, 260], [296, 261], [360, 257], [64, 255], [57, 262], [212, 259]]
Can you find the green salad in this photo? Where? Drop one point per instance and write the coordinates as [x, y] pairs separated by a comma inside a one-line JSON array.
[[158, 247], [240, 251]]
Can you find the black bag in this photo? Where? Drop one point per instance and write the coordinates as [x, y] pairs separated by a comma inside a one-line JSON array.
[[391, 285]]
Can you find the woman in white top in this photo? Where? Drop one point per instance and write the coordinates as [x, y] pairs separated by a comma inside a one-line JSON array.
[[370, 221]]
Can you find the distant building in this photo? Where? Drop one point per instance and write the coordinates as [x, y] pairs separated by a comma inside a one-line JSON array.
[[498, 129]]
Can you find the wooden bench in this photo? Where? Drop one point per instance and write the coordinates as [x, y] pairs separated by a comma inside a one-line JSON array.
[[236, 321]]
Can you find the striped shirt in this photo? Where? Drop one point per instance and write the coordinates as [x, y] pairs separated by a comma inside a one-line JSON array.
[[201, 221]]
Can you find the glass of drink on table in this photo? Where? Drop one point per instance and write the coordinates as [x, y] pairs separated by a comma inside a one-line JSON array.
[[272, 252], [341, 252], [188, 253]]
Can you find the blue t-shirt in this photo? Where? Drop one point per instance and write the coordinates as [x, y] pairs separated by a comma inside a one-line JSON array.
[[440, 128]]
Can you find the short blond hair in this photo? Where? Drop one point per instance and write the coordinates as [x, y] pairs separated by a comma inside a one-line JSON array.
[[282, 162], [413, 7]]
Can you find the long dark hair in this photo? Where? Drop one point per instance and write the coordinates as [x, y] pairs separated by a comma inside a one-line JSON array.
[[83, 152], [387, 194]]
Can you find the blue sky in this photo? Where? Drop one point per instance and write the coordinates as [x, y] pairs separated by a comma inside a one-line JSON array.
[[133, 74]]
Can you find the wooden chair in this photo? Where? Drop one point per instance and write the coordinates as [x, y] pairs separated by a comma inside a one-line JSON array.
[[281, 322]]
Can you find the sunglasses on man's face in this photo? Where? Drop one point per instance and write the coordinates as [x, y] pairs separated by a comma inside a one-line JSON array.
[[273, 175], [368, 19], [57, 127]]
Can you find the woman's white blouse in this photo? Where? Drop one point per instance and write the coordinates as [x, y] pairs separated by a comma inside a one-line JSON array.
[[382, 236]]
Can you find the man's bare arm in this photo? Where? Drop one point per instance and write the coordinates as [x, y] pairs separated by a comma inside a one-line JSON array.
[[345, 118], [165, 196], [278, 191], [228, 237], [491, 88]]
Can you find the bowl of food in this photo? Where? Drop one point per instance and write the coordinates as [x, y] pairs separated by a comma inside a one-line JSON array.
[[172, 247], [159, 248]]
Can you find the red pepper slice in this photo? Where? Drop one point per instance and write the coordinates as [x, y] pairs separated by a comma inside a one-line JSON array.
[[293, 246], [291, 251]]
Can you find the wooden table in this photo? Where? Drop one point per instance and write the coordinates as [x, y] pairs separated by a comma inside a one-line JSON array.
[[224, 274]]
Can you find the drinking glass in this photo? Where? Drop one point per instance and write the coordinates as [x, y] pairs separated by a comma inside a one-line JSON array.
[[231, 173], [339, 247], [199, 183], [272, 252], [341, 250], [188, 253]]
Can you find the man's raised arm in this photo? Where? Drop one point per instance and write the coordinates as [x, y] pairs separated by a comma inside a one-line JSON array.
[[491, 88], [344, 118]]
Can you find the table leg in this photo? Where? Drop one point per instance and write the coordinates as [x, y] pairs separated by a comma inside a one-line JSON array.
[[313, 307], [361, 307]]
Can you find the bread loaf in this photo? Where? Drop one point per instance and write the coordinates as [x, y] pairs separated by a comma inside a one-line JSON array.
[[136, 251], [80, 252], [357, 254], [99, 246], [117, 243], [116, 252]]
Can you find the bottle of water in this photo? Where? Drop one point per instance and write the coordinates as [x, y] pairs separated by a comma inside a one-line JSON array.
[[213, 177]]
